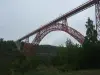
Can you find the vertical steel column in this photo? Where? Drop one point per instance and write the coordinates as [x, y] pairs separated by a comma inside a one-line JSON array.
[[97, 14], [18, 44], [27, 40], [36, 39], [64, 21]]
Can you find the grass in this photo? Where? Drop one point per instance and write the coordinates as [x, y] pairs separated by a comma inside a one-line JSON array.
[[42, 70], [83, 72]]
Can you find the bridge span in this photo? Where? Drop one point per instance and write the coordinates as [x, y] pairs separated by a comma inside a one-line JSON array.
[[63, 20]]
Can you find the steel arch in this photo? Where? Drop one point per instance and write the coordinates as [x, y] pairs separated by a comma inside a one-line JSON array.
[[58, 26]]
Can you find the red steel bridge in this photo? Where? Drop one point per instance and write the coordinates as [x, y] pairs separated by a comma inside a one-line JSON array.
[[61, 24]]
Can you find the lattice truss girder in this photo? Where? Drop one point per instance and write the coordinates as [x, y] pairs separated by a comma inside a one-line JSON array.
[[97, 11], [62, 26]]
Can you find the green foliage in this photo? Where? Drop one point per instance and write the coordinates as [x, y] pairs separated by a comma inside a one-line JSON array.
[[91, 47], [91, 34], [8, 53], [62, 59]]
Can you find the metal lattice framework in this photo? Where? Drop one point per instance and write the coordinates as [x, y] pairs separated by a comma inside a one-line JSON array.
[[58, 26], [60, 23], [97, 12]]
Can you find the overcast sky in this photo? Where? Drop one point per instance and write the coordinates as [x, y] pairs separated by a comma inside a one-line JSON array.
[[19, 17]]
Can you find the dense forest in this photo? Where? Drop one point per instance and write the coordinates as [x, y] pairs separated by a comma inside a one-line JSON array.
[[63, 59]]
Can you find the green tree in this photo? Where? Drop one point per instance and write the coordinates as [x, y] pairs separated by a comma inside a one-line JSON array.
[[91, 47], [1, 39], [91, 34], [69, 43]]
